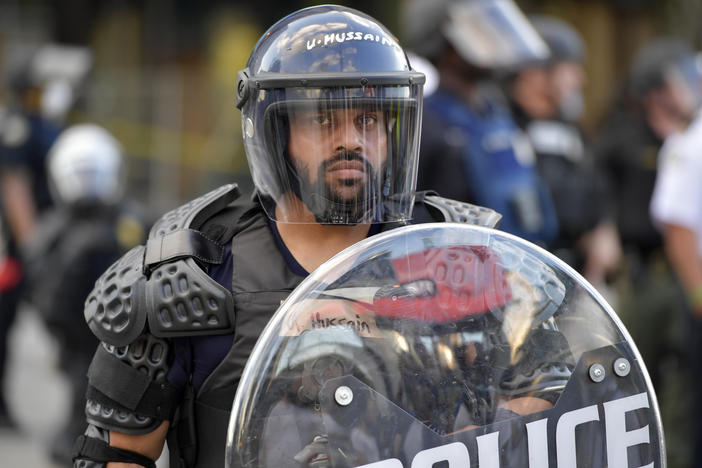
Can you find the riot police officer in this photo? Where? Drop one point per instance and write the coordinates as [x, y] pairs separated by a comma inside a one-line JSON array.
[[25, 138], [89, 228], [331, 112], [653, 105], [471, 146], [43, 85], [546, 100]]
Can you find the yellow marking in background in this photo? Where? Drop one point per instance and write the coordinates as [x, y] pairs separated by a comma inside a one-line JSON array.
[[196, 150]]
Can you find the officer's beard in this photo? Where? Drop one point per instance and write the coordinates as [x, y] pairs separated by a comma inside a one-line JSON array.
[[323, 198]]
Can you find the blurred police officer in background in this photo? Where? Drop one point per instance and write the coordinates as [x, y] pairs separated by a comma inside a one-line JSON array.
[[10, 278], [648, 109], [88, 228], [25, 138], [675, 207], [44, 84], [331, 110], [653, 105], [472, 150], [547, 101]]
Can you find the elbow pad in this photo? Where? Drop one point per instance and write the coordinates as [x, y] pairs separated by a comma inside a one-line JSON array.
[[128, 390]]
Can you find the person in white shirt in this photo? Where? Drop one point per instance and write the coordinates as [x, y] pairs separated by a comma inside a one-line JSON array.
[[676, 206]]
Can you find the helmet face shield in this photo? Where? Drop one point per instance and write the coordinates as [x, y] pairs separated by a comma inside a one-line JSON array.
[[439, 345], [686, 75], [493, 34], [335, 155]]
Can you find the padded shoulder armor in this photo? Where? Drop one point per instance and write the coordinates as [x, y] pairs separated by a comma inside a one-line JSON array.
[[447, 210], [163, 283]]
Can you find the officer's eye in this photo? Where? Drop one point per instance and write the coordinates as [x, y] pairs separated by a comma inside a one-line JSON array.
[[367, 119], [322, 119]]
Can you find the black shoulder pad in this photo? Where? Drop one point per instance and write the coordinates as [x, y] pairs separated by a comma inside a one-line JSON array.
[[177, 233], [163, 281], [193, 214], [447, 210], [115, 309]]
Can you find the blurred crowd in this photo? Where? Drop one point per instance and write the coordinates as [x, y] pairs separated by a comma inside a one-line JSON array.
[[618, 200]]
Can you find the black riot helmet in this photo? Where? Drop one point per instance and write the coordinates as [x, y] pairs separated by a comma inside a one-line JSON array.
[[331, 111], [488, 35], [564, 42]]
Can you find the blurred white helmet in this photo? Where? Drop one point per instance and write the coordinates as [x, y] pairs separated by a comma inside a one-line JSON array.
[[86, 166]]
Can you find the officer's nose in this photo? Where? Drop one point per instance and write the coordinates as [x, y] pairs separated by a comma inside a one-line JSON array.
[[348, 136]]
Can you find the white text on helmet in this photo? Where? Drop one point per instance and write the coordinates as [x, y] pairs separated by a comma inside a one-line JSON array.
[[348, 36]]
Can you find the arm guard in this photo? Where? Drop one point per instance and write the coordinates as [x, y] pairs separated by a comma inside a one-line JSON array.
[[151, 294], [128, 389], [93, 450]]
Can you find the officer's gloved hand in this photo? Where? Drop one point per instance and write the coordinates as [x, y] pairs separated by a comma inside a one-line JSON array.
[[315, 454]]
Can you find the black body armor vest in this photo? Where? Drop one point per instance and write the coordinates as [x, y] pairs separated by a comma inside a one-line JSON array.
[[260, 283], [162, 291]]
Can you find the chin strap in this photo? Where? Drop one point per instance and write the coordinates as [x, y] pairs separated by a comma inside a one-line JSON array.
[[88, 449]]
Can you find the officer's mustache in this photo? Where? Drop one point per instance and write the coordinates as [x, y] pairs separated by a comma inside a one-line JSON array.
[[344, 156], [323, 200]]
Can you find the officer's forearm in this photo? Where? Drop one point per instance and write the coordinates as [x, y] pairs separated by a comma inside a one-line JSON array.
[[19, 205], [149, 445], [681, 249]]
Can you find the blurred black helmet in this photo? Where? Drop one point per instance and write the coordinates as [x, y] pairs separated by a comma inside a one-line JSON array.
[[563, 40], [56, 71], [487, 34], [331, 73], [654, 60]]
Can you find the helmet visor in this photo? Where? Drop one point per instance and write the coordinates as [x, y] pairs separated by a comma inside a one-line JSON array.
[[334, 155], [493, 34], [687, 74]]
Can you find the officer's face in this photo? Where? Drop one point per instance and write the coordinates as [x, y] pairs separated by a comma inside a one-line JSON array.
[[340, 152]]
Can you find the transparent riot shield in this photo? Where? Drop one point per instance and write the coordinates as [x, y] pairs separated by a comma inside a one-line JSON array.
[[444, 346]]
